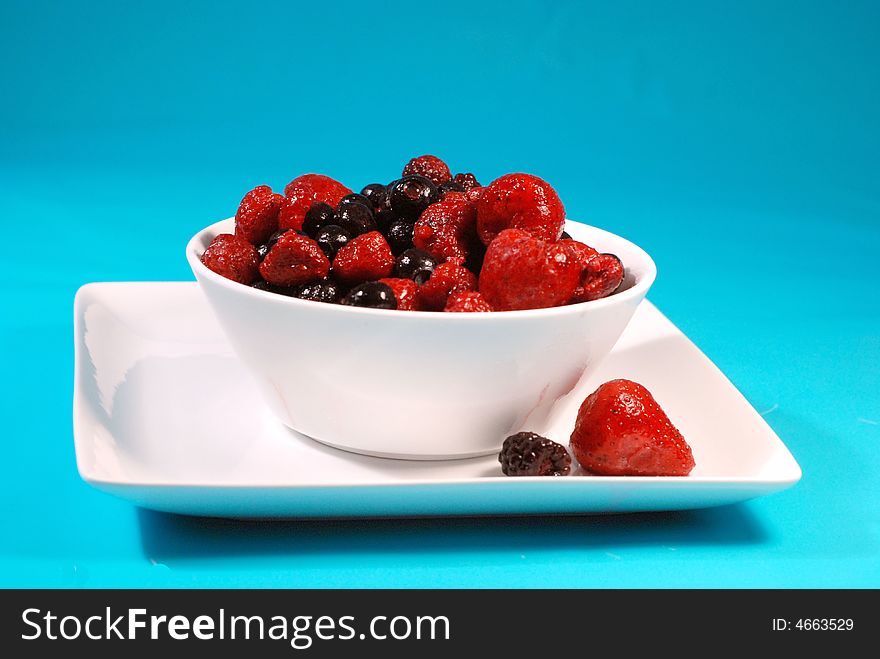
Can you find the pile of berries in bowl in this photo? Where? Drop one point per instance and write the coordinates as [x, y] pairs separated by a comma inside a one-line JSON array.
[[428, 241], [303, 285]]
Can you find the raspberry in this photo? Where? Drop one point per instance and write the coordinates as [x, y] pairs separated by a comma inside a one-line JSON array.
[[446, 229], [302, 192], [601, 274], [406, 292], [467, 302], [447, 278], [524, 272], [475, 194], [520, 201], [232, 257], [528, 454], [257, 215], [622, 431], [431, 167], [365, 258], [294, 260], [468, 181]]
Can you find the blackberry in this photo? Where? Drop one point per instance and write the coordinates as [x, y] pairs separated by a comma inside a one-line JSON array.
[[263, 249], [372, 294], [375, 192], [467, 180], [319, 215], [355, 219], [354, 198], [331, 238], [400, 236], [565, 236], [415, 264], [262, 285], [410, 195], [450, 186], [326, 290], [528, 454]]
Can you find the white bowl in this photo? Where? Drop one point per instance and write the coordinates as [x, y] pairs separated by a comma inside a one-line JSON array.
[[418, 385]]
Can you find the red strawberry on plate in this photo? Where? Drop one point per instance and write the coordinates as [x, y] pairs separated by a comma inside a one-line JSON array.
[[622, 431]]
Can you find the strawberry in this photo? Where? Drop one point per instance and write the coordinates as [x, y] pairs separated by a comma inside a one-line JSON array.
[[232, 257], [406, 292], [519, 201], [294, 260], [364, 258], [431, 167], [466, 302], [622, 431], [302, 192], [257, 215]]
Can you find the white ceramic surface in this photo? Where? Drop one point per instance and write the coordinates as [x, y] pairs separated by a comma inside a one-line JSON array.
[[418, 385], [166, 416]]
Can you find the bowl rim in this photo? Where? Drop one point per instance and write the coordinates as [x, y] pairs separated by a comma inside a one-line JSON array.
[[645, 274]]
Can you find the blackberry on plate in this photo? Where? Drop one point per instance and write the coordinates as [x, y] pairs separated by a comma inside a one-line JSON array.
[[410, 195], [415, 264], [450, 186], [325, 290], [355, 219], [354, 198], [400, 236], [372, 294], [263, 249], [319, 215], [528, 454], [331, 238]]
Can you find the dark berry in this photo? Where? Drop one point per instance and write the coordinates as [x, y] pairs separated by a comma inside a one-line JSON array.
[[375, 192], [468, 181], [565, 236], [373, 294], [326, 290], [409, 196], [356, 219], [331, 238], [528, 454], [415, 264], [450, 186], [262, 285], [400, 236], [475, 257], [319, 215], [355, 198], [263, 249]]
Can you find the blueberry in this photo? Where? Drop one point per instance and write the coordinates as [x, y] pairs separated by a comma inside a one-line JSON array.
[[415, 264], [410, 195], [331, 238], [450, 186], [372, 294], [319, 215], [355, 219], [354, 198], [326, 290], [263, 249], [400, 236], [262, 285], [375, 192]]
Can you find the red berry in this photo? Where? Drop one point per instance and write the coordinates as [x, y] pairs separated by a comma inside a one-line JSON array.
[[622, 431], [302, 192], [474, 194], [467, 302], [468, 181], [232, 257], [431, 167], [446, 229], [406, 292], [294, 260], [520, 201], [601, 274], [257, 215], [447, 278], [364, 258], [524, 272]]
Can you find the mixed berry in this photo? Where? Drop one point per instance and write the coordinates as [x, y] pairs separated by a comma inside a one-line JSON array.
[[428, 241], [620, 430]]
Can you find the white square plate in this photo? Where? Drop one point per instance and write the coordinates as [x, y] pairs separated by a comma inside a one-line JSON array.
[[165, 416]]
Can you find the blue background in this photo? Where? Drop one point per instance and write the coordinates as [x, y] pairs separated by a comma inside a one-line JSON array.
[[737, 142]]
